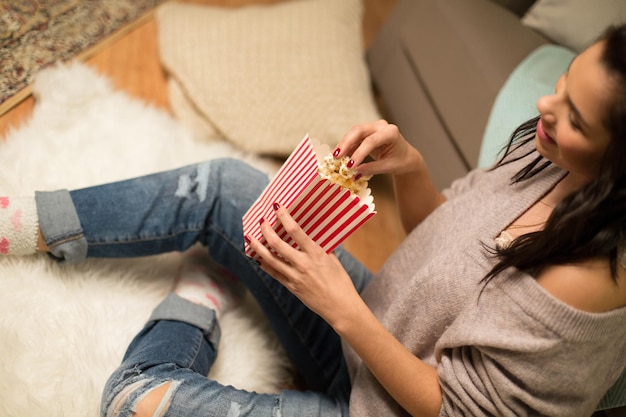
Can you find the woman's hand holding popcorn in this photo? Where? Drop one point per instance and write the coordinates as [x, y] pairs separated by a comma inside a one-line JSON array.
[[312, 275]]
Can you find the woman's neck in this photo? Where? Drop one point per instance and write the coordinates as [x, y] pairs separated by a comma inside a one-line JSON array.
[[565, 187]]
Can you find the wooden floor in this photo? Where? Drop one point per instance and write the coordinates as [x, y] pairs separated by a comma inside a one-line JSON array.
[[131, 61]]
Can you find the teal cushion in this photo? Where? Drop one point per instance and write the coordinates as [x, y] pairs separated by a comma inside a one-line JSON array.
[[616, 396], [534, 77], [515, 103]]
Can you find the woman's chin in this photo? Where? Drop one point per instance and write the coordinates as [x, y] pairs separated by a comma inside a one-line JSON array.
[[543, 151]]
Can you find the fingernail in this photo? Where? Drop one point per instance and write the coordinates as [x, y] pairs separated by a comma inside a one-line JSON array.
[[336, 153], [247, 238], [261, 221], [350, 163], [357, 177], [276, 206]]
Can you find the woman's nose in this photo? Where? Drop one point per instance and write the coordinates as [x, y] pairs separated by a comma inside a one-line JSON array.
[[547, 106]]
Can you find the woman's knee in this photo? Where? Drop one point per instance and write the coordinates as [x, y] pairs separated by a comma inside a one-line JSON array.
[[240, 176], [156, 401], [143, 398]]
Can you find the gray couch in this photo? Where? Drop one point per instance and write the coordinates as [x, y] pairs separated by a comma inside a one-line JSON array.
[[439, 64]]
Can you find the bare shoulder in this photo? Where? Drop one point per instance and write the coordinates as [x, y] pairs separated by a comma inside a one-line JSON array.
[[587, 286]]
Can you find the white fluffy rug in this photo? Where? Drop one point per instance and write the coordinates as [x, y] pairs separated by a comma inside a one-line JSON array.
[[63, 330]]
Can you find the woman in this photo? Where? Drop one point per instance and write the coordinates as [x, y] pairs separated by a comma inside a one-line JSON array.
[[517, 310]]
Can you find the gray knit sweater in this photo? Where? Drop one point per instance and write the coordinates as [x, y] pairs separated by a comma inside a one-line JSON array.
[[515, 350]]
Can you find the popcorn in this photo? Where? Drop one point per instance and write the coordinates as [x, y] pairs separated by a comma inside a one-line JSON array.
[[336, 171], [319, 192]]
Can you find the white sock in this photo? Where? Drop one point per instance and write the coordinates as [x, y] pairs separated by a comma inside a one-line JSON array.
[[203, 282], [19, 226]]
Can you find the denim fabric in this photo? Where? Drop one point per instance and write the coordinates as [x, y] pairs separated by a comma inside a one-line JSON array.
[[172, 350], [171, 211], [60, 226]]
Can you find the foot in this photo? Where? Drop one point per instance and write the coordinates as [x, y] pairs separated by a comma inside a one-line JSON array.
[[202, 281], [19, 226]]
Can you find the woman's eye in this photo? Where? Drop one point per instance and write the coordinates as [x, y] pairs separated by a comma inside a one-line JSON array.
[[573, 123]]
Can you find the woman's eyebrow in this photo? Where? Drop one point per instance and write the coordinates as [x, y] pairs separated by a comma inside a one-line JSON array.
[[576, 112], [572, 106]]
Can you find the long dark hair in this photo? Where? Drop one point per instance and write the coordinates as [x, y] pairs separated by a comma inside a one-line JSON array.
[[590, 222]]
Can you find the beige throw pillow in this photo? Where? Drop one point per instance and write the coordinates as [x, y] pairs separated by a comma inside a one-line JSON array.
[[264, 76], [574, 23]]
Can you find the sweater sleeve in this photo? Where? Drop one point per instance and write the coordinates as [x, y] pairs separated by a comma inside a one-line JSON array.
[[517, 351]]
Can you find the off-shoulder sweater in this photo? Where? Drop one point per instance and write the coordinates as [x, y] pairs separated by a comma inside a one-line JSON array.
[[505, 349]]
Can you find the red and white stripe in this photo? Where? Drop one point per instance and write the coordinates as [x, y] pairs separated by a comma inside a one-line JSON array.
[[327, 212]]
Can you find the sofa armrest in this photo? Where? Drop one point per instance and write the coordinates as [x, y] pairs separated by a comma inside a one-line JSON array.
[[458, 53], [519, 7]]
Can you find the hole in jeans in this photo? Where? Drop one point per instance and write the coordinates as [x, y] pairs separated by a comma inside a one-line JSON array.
[[153, 403]]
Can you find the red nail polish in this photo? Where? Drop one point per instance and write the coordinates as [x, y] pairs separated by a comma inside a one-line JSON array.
[[276, 206], [357, 177], [336, 153], [247, 239], [350, 163], [261, 221]]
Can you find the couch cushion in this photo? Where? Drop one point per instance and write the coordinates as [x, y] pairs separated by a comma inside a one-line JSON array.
[[616, 396], [574, 23], [264, 76]]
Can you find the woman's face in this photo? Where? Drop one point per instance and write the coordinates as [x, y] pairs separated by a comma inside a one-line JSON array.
[[570, 132]]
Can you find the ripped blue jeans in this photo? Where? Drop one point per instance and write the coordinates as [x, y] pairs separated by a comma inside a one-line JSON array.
[[171, 211]]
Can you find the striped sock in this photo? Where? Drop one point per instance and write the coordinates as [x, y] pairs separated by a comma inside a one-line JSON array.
[[19, 226]]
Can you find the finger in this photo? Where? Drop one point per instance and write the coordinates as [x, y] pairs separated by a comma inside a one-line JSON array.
[[277, 275], [375, 167], [285, 250], [353, 138], [376, 144], [269, 261], [294, 230]]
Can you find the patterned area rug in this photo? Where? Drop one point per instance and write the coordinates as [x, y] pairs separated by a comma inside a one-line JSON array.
[[37, 33]]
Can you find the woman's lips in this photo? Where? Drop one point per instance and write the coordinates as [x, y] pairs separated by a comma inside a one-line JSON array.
[[543, 136]]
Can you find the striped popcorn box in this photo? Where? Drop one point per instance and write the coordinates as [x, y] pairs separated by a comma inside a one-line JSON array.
[[326, 211]]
